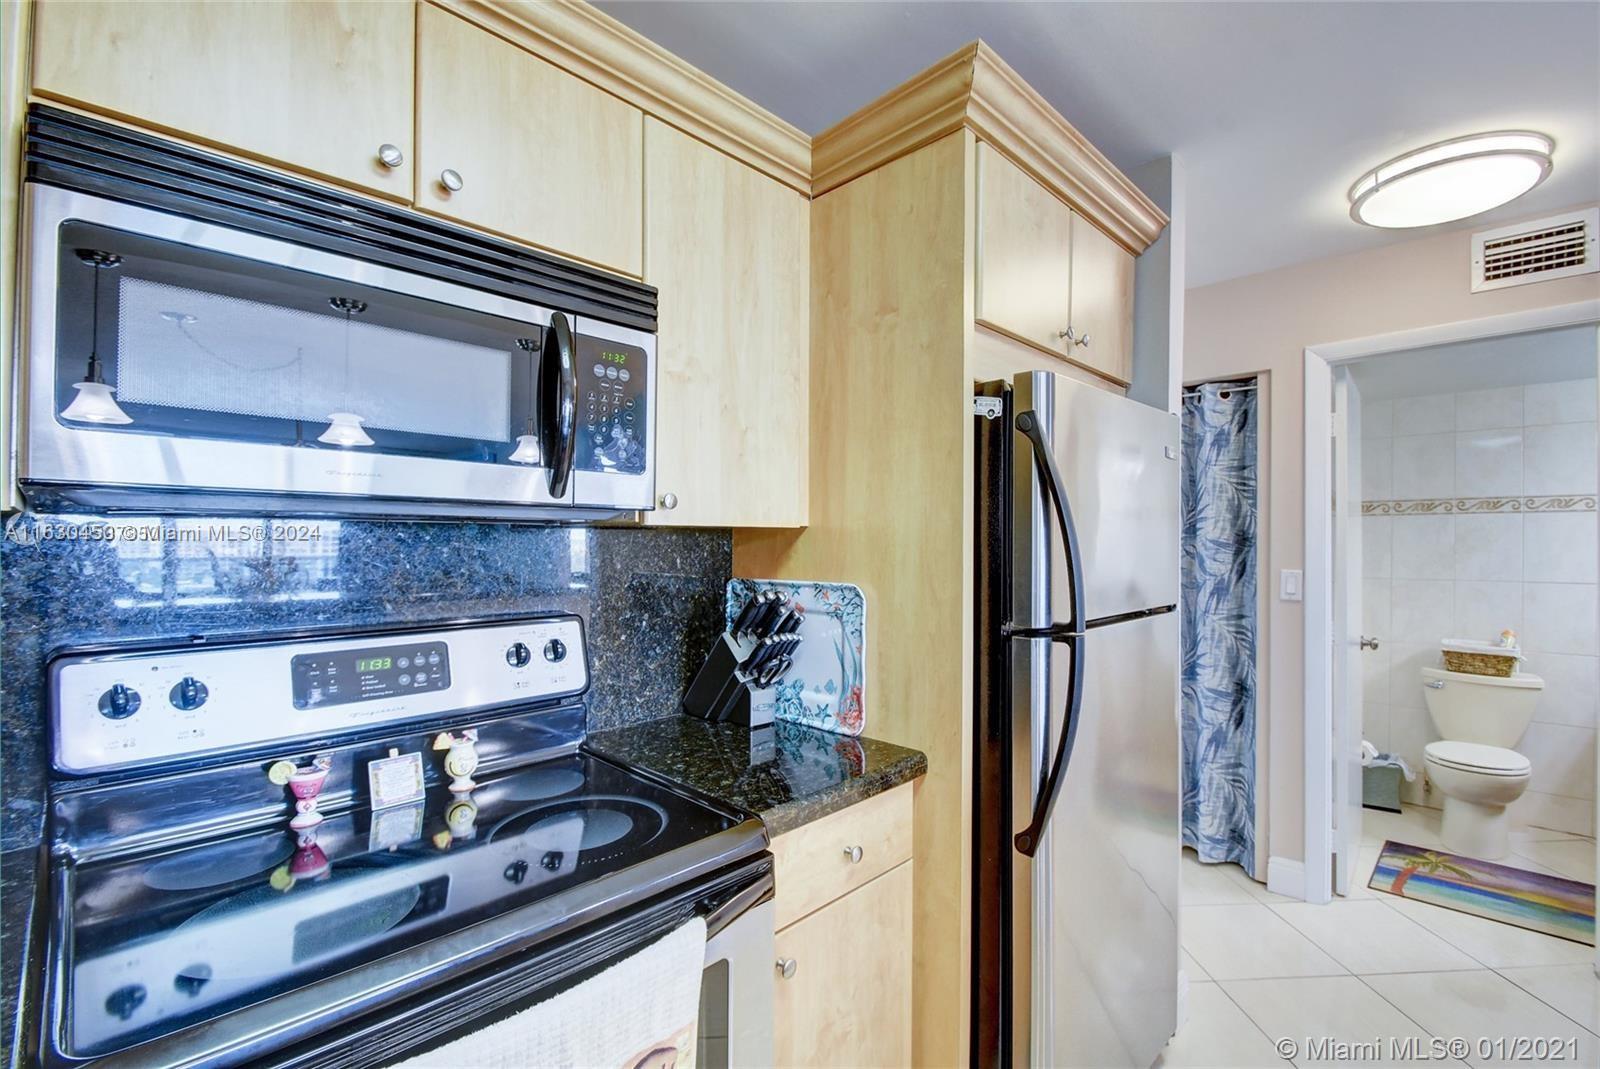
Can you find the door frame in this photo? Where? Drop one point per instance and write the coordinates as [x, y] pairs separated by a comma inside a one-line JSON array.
[[1319, 363]]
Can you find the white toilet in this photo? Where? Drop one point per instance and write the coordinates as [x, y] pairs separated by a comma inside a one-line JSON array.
[[1479, 720]]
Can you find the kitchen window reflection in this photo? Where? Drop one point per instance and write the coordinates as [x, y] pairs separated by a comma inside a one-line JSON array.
[[214, 561]]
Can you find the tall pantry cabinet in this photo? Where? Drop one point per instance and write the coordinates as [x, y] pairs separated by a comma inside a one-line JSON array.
[[963, 181]]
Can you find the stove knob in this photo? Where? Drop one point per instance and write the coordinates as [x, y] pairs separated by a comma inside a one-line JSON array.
[[518, 655], [555, 650], [124, 1002], [552, 860], [517, 871], [191, 979], [188, 694], [120, 702]]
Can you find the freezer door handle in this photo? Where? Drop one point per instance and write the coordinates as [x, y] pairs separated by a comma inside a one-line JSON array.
[[1027, 423]]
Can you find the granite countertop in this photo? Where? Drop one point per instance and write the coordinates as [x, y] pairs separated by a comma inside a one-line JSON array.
[[19, 898], [801, 775]]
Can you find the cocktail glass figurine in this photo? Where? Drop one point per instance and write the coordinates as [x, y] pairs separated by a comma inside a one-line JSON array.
[[309, 862], [460, 822], [461, 760], [305, 784]]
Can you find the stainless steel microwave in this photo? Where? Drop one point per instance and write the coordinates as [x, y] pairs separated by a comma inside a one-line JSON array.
[[203, 351]]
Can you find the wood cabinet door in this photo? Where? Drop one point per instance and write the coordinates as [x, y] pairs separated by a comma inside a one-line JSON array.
[[1102, 302], [849, 1000], [728, 249], [543, 157], [317, 87], [1024, 255]]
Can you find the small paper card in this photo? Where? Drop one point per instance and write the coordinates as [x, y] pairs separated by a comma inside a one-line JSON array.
[[395, 779], [395, 827]]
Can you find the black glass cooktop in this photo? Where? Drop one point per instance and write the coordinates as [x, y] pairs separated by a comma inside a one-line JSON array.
[[164, 941]]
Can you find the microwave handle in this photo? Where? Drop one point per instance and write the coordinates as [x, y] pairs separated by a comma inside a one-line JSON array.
[[558, 402]]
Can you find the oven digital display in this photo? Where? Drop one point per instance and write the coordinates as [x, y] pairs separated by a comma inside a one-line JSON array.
[[367, 674]]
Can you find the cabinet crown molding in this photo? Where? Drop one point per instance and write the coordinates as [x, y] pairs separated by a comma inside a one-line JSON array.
[[974, 88], [585, 41]]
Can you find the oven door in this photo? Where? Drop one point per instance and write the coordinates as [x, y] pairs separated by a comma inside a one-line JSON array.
[[172, 355]]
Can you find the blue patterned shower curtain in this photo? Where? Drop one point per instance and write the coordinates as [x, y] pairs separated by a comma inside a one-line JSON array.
[[1219, 623]]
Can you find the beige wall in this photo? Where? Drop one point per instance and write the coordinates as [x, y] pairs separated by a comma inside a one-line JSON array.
[[1264, 323]]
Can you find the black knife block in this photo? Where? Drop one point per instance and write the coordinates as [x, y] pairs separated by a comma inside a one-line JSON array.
[[718, 693]]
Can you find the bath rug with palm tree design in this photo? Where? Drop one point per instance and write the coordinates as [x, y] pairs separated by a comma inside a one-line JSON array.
[[1532, 900]]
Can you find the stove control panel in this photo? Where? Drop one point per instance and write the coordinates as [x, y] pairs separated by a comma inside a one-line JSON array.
[[116, 710]]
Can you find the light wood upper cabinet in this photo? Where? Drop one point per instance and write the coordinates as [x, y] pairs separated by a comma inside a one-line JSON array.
[[316, 87], [543, 157], [1047, 276], [1102, 301], [1024, 261], [848, 1001], [728, 249]]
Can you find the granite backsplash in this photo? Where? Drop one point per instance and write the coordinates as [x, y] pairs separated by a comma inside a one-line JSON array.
[[651, 599]]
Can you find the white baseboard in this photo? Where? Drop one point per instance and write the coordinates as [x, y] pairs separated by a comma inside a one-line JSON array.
[[1286, 877]]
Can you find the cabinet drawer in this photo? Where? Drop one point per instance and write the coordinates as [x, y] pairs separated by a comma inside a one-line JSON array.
[[815, 864]]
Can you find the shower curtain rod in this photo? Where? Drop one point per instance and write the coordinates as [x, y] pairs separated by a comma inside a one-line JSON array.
[[1226, 389]]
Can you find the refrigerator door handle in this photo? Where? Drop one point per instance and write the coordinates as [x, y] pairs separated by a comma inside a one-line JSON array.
[[1027, 423]]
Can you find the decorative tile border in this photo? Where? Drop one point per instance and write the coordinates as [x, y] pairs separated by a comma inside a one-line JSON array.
[[1433, 506]]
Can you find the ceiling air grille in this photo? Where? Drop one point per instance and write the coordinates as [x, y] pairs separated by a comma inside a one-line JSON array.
[[1543, 249]]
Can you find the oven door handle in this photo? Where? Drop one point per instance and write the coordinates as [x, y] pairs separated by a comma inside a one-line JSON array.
[[558, 402]]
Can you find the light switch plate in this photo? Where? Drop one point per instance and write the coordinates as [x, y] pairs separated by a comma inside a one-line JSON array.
[[1291, 585]]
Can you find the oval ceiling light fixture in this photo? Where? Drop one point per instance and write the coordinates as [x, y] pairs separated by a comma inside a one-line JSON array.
[[1451, 179]]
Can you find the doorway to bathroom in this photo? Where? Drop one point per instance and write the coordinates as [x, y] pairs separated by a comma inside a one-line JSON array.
[[1452, 513]]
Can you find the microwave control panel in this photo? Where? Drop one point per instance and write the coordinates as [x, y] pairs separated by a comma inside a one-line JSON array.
[[612, 380]]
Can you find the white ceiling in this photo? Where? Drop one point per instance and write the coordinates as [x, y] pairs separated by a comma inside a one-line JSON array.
[[1274, 109], [1518, 360]]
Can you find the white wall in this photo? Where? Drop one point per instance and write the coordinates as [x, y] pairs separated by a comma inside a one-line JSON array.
[[1264, 323], [1479, 515]]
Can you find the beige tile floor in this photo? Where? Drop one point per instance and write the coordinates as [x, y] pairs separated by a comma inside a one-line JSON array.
[[1262, 967]]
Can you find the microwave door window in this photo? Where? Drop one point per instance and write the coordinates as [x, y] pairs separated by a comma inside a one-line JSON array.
[[159, 338]]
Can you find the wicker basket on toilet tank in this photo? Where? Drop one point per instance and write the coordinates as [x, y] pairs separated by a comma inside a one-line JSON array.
[[1479, 658]]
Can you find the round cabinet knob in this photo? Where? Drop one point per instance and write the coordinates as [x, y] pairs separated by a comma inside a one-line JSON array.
[[1082, 341], [555, 650], [787, 966], [669, 500], [853, 854], [188, 693], [120, 702], [390, 155], [451, 180], [518, 655]]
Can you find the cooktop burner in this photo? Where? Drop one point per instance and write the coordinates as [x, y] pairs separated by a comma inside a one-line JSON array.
[[165, 941]]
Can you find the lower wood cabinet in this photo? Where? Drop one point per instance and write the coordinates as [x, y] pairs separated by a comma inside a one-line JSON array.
[[847, 999], [843, 970]]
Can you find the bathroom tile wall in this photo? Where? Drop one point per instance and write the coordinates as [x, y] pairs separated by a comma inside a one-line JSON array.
[[1479, 515]]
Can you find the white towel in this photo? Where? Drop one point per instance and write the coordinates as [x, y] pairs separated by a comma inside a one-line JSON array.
[[641, 1013]]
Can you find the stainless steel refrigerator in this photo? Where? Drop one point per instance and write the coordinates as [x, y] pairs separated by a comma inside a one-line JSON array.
[[1076, 819]]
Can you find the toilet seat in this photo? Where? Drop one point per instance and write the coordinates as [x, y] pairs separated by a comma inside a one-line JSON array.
[[1477, 758]]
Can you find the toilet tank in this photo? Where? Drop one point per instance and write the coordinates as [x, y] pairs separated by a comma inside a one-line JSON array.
[[1491, 710]]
